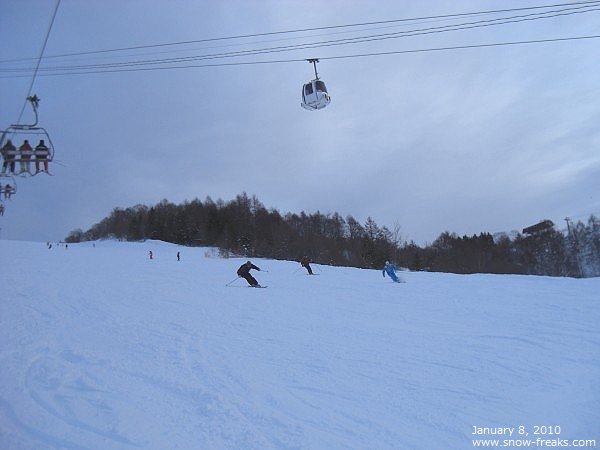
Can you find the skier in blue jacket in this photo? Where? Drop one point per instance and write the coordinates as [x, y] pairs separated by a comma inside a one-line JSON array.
[[390, 269]]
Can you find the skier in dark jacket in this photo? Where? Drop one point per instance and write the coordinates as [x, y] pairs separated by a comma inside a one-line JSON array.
[[305, 262], [9, 153], [244, 272]]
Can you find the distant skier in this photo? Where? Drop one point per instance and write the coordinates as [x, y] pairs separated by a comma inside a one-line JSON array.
[[244, 272], [178, 257], [305, 262], [390, 269], [150, 254]]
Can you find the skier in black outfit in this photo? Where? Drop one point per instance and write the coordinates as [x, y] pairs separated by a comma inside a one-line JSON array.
[[305, 262], [244, 272]]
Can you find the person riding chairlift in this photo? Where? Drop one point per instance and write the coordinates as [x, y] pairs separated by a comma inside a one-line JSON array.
[[41, 155]]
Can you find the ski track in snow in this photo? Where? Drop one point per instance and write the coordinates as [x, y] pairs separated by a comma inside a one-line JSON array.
[[103, 348]]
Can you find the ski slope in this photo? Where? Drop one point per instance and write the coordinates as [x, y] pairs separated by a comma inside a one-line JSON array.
[[103, 348]]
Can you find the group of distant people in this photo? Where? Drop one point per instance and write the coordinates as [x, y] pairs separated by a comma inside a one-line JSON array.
[[58, 244], [151, 255], [244, 270], [23, 155]]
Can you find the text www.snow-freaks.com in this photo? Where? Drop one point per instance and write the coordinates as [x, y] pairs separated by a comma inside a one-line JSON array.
[[539, 442]]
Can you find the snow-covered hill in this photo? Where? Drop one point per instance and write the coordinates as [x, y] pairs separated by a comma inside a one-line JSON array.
[[103, 348]]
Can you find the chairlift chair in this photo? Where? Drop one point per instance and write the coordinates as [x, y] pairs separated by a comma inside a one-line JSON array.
[[8, 186], [34, 134], [314, 93]]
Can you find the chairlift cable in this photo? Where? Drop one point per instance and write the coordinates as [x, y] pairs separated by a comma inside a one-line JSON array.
[[39, 60]]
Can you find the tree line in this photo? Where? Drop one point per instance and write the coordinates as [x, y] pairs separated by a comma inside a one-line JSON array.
[[244, 227]]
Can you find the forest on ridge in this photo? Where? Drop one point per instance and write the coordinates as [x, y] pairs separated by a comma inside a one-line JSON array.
[[244, 227]]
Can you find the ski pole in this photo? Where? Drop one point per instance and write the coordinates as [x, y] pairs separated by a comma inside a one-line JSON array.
[[233, 281]]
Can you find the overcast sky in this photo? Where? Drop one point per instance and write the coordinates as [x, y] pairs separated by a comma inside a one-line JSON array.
[[466, 140]]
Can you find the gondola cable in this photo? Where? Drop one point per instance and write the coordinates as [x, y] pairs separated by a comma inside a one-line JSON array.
[[323, 28], [101, 68], [346, 56]]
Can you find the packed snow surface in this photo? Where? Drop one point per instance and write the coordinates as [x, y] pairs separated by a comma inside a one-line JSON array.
[[104, 348]]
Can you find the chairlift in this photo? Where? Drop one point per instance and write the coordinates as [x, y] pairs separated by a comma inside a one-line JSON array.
[[8, 186], [314, 93], [27, 148]]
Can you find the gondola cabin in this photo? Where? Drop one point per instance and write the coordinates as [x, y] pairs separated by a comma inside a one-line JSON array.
[[314, 93]]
